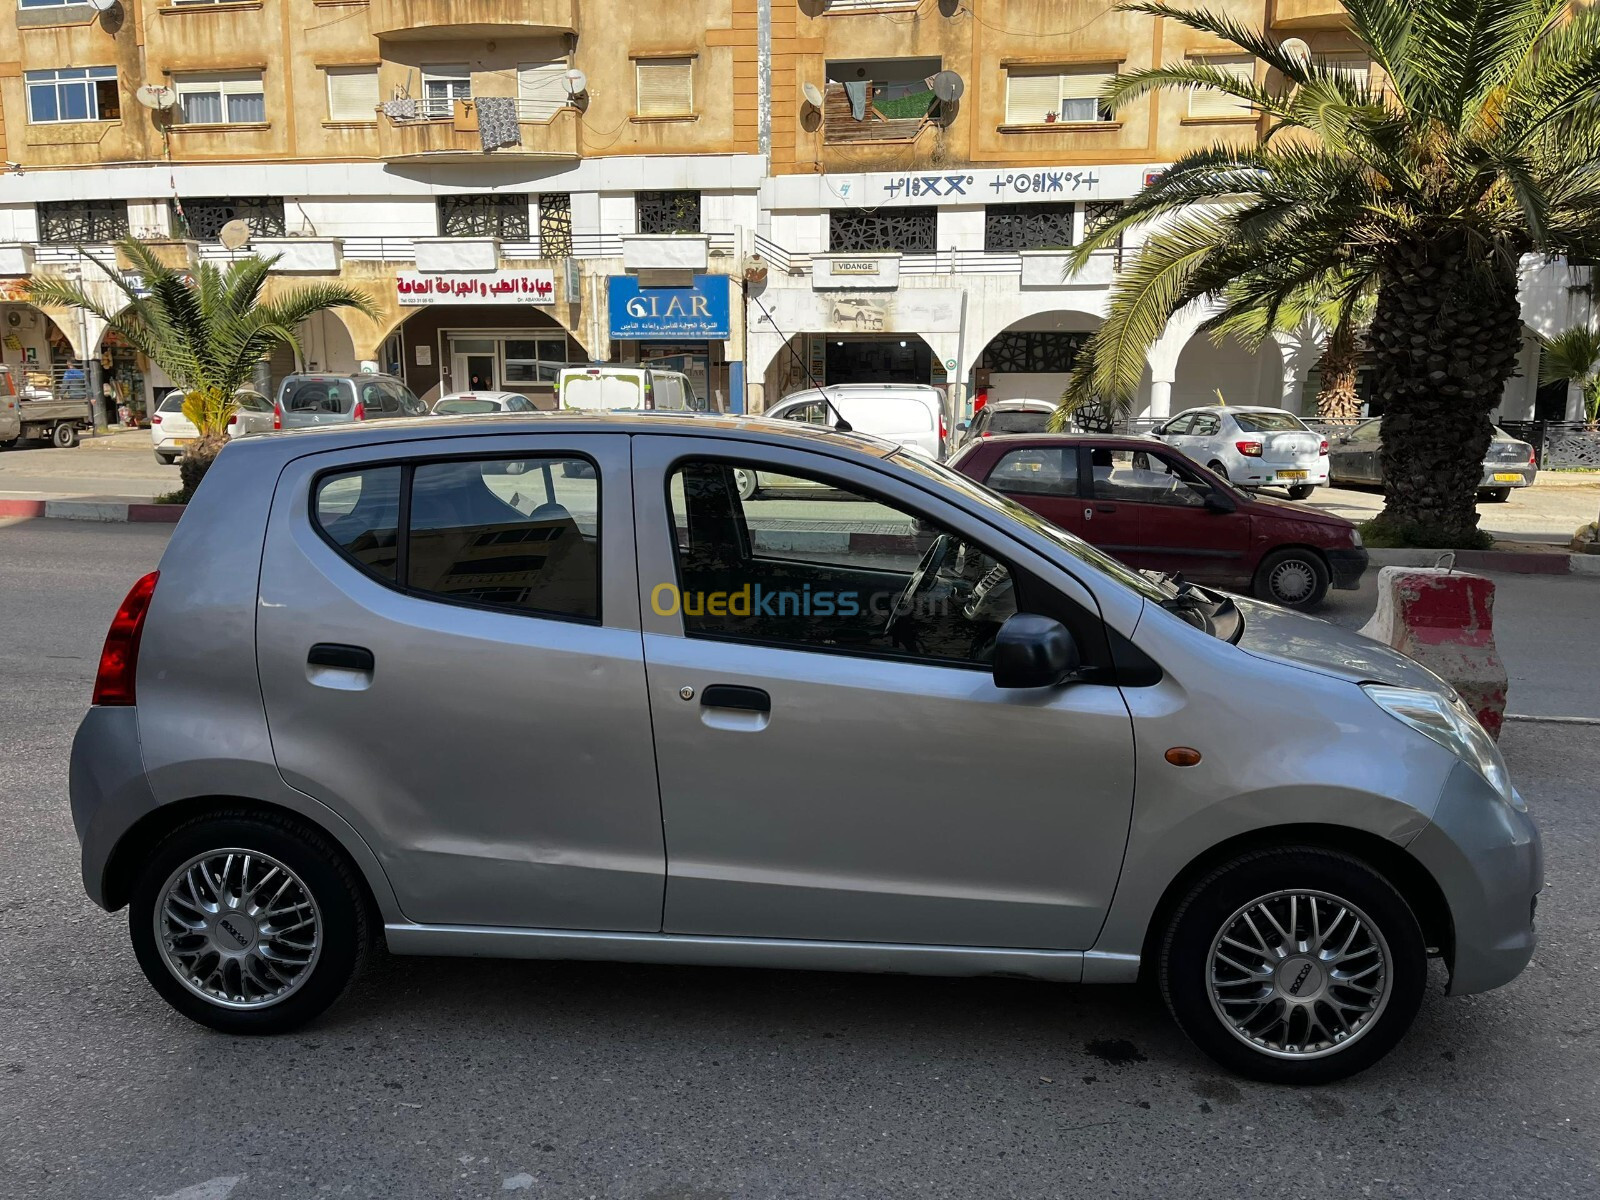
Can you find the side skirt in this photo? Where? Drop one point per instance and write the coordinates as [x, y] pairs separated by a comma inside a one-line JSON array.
[[478, 941]]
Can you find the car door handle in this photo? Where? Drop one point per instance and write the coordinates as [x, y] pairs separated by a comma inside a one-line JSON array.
[[340, 657], [1105, 508], [728, 695]]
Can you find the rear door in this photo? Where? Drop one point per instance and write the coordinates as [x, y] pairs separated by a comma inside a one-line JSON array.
[[450, 657], [1045, 479], [1149, 510]]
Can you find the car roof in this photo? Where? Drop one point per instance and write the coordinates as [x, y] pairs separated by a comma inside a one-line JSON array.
[[1039, 441], [1022, 405], [293, 443], [479, 394], [319, 376], [861, 389]]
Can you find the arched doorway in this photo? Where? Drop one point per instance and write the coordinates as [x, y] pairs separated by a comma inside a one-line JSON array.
[[443, 348], [1243, 376], [811, 359], [1032, 358]]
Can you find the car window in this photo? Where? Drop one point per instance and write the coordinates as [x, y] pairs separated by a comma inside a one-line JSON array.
[[1366, 433], [252, 402], [813, 413], [1020, 422], [172, 403], [521, 404], [1205, 425], [317, 395], [1051, 471], [827, 571], [1143, 477], [450, 408], [1269, 422], [1179, 425], [359, 512], [405, 400], [514, 534]]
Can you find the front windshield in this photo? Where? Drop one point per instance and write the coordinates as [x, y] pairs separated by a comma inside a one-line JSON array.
[[1149, 588]]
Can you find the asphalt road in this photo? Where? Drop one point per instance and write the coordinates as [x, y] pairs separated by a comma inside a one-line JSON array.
[[462, 1078]]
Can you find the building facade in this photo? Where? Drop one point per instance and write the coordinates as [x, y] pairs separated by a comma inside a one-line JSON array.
[[763, 193]]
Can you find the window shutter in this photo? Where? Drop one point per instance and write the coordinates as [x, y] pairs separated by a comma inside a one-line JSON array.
[[352, 93], [1030, 98], [1085, 84], [666, 87], [1355, 70], [541, 90], [1205, 103]]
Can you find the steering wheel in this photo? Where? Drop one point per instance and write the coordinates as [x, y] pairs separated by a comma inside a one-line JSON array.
[[924, 576]]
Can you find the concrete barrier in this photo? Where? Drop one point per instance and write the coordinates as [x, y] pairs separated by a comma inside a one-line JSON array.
[[1445, 620]]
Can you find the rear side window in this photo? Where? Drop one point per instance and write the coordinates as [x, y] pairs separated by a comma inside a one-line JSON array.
[[359, 512], [1051, 471], [318, 395], [520, 535], [252, 402]]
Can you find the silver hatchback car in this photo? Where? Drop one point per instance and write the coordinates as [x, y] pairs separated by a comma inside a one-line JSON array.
[[417, 681]]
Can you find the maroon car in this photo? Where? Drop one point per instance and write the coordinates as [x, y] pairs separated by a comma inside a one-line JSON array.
[[1157, 510]]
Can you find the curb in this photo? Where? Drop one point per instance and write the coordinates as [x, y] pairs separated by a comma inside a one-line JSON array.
[[116, 511], [1518, 562]]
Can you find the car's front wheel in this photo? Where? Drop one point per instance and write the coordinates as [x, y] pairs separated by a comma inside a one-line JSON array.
[[1293, 578], [746, 482], [247, 923], [1497, 495], [1298, 965]]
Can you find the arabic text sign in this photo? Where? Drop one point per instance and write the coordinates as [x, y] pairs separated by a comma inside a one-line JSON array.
[[490, 287]]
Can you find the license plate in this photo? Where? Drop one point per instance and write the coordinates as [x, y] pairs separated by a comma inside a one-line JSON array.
[[182, 441], [1507, 477], [1291, 474]]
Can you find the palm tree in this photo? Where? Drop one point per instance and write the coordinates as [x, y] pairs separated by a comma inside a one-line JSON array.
[[1574, 355], [206, 330], [1478, 144]]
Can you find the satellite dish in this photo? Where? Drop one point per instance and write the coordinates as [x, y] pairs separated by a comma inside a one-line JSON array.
[[1296, 49], [813, 94], [577, 82], [234, 234], [947, 85], [155, 95], [103, 5]]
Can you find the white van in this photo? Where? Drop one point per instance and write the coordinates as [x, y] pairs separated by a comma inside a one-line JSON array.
[[613, 387], [909, 413]]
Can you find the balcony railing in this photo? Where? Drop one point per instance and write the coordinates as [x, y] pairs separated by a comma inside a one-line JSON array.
[[435, 137], [942, 262]]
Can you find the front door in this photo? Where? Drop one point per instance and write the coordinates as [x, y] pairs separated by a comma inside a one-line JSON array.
[[468, 690], [1149, 509], [832, 771]]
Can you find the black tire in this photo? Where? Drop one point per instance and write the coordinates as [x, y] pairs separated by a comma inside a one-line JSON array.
[[166, 460], [1293, 578], [64, 436], [338, 893], [1208, 911], [1302, 491], [1217, 468], [1497, 495]]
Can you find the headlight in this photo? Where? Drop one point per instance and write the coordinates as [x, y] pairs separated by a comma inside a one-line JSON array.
[[1450, 723]]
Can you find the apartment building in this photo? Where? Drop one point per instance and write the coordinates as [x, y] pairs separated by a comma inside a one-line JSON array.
[[761, 192]]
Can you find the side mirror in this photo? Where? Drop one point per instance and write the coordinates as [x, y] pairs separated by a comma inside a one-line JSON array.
[[1031, 651], [1220, 502], [963, 426]]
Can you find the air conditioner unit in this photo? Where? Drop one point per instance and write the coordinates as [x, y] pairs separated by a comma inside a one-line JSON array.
[[21, 318]]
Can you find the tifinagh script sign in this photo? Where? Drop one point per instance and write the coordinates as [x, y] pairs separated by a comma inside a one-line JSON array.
[[488, 287], [969, 187]]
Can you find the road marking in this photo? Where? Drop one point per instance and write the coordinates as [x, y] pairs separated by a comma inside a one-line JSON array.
[[1553, 720]]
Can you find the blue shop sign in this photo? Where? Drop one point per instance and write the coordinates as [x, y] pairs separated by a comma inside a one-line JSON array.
[[699, 312]]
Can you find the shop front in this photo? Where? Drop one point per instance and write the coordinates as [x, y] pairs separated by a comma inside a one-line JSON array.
[[483, 331], [679, 329]]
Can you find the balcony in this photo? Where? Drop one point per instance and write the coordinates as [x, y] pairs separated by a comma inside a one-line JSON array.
[[1309, 14], [439, 140], [418, 20]]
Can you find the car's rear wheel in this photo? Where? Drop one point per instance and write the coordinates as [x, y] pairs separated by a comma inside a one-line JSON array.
[[1294, 578], [1301, 491], [1218, 468], [247, 923], [166, 460], [1298, 965], [746, 482], [64, 436]]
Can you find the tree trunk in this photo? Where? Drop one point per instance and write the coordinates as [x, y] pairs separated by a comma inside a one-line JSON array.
[[1337, 398], [1444, 341], [197, 459]]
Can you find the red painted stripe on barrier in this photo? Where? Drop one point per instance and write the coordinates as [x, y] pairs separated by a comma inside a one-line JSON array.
[[21, 508], [161, 514]]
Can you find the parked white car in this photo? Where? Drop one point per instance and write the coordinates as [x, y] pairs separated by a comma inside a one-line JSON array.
[[911, 414], [1252, 447], [611, 387], [476, 404], [171, 431], [1006, 416]]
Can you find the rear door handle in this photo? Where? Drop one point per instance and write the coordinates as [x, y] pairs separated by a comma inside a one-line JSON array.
[[729, 695], [1105, 508], [340, 657]]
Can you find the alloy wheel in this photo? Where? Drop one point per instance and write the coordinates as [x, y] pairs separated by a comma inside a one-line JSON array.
[[1299, 974], [238, 928]]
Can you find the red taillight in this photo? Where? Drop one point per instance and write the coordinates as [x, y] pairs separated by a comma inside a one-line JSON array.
[[119, 659], [233, 420], [360, 413], [1249, 449], [1533, 457], [1323, 449], [277, 417], [985, 433], [156, 420]]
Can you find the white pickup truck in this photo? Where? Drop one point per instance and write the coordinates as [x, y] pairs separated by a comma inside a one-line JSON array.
[[27, 412]]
